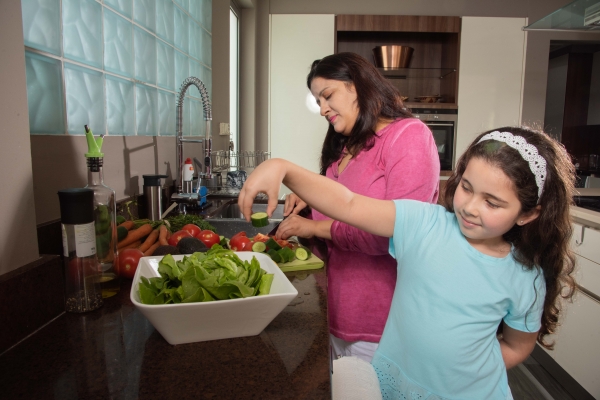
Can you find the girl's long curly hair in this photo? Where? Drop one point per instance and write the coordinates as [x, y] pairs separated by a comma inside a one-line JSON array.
[[544, 242], [377, 99]]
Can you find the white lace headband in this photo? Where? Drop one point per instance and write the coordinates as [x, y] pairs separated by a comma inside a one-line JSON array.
[[529, 152]]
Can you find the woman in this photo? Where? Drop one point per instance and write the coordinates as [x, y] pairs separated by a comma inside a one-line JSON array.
[[375, 148]]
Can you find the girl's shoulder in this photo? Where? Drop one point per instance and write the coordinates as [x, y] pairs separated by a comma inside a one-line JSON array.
[[425, 213]]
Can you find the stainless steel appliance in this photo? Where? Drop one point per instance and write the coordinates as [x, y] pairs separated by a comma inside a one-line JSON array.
[[442, 123]]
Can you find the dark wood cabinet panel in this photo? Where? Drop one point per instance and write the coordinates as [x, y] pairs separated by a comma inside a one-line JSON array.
[[398, 23], [436, 44]]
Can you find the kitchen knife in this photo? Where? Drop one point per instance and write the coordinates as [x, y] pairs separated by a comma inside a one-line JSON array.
[[274, 230]]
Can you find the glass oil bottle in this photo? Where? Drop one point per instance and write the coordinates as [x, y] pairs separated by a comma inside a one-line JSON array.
[[105, 216]]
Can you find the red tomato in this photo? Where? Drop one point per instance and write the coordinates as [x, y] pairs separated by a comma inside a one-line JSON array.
[[283, 243], [193, 229], [240, 243], [177, 236], [261, 238], [127, 263], [242, 233], [208, 238]]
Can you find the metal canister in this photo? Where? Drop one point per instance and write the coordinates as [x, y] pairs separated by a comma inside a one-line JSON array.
[[153, 195]]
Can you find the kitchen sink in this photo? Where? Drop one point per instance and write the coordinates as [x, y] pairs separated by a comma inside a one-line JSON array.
[[232, 210], [228, 219]]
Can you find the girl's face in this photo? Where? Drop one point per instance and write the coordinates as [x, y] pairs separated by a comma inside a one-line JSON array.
[[486, 205], [338, 103]]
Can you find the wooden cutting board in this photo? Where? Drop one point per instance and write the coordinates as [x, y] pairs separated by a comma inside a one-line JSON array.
[[313, 262]]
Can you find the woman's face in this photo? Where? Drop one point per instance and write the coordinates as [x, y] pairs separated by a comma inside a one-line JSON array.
[[338, 103]]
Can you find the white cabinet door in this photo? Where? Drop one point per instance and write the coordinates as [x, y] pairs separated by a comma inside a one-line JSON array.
[[296, 132], [576, 349], [490, 80]]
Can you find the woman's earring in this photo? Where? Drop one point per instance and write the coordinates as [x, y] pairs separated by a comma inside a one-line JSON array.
[[521, 222]]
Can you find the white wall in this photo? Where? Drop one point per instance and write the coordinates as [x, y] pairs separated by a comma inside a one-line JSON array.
[[296, 133], [555, 95], [18, 237], [247, 79], [490, 76], [594, 107]]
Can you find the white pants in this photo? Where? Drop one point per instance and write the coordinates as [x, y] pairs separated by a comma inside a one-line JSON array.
[[360, 349], [354, 379]]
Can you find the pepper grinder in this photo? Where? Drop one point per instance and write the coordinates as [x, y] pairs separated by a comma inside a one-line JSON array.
[[82, 275]]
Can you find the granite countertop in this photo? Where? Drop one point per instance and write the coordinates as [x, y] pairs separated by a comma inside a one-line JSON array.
[[585, 216], [115, 353]]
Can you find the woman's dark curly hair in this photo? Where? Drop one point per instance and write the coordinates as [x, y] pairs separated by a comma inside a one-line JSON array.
[[544, 242], [377, 99]]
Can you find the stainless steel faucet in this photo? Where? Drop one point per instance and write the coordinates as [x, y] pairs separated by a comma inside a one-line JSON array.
[[179, 129]]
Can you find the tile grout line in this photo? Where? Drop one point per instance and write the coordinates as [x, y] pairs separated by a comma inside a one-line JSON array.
[[536, 383]]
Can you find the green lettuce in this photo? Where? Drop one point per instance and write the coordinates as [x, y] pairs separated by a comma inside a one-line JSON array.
[[218, 274]]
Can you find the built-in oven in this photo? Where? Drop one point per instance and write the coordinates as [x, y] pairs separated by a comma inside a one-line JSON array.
[[442, 123]]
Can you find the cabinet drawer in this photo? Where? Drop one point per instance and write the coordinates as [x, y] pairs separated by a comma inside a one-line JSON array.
[[588, 275], [590, 248]]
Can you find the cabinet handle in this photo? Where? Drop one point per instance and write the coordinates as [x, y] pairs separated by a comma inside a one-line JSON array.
[[579, 241], [587, 293]]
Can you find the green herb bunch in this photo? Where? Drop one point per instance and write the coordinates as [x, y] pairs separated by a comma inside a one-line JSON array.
[[177, 222]]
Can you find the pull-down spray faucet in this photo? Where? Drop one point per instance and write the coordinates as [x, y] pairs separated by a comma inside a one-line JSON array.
[[179, 129]]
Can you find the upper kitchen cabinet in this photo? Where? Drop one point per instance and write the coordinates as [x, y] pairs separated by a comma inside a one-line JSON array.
[[433, 68]]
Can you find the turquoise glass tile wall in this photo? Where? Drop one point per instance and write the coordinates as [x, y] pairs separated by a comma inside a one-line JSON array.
[[115, 65]]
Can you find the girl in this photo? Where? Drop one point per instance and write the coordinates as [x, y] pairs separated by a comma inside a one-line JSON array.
[[497, 255], [373, 147]]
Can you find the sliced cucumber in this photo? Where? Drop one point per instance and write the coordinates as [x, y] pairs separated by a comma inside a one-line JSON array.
[[259, 219], [302, 253], [259, 247], [272, 244], [286, 254], [274, 255]]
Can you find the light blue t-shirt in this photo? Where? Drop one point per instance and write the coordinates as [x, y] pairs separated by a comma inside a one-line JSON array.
[[440, 336]]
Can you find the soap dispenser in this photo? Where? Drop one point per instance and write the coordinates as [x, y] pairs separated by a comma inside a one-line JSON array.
[[105, 216]]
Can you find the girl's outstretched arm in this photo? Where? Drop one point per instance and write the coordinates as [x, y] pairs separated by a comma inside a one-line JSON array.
[[329, 197], [516, 345]]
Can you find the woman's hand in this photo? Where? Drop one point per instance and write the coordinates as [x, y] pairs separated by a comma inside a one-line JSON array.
[[295, 225], [266, 178], [293, 204]]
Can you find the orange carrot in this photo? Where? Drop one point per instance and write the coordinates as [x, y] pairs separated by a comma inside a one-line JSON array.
[[152, 248], [150, 240], [162, 237], [133, 245], [135, 234], [127, 224]]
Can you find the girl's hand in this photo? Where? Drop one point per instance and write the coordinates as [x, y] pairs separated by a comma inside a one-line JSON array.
[[293, 204], [266, 178], [295, 225]]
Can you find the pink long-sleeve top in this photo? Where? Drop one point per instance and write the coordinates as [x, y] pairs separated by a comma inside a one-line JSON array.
[[361, 275]]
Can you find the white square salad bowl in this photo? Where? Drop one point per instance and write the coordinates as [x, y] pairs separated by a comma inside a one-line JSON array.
[[222, 319]]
